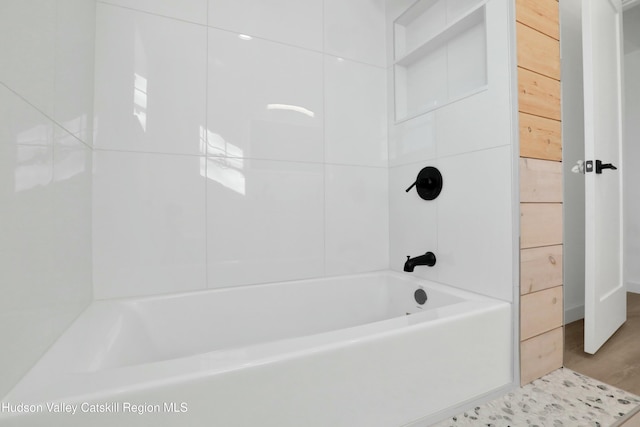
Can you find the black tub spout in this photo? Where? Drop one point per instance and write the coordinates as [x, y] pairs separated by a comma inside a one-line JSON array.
[[427, 259]]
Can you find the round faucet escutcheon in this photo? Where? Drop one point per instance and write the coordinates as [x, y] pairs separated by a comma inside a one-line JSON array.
[[428, 183]]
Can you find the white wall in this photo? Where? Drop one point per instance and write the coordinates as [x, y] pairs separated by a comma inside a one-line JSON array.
[[572, 151], [631, 27], [46, 96], [470, 226], [238, 143]]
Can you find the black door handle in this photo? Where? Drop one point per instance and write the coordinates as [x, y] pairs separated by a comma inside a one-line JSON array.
[[600, 166]]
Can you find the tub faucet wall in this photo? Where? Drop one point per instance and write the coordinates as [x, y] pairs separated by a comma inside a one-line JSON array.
[[462, 122]]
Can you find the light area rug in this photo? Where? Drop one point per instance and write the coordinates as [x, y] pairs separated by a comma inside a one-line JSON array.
[[561, 398]]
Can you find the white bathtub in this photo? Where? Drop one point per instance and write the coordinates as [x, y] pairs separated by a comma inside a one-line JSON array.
[[345, 351]]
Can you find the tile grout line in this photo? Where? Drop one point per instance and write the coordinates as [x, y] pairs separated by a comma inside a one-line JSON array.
[[206, 163], [213, 27], [53, 106], [51, 119], [307, 162], [324, 148]]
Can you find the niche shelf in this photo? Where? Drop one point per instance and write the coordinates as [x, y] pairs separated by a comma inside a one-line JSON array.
[[440, 55]]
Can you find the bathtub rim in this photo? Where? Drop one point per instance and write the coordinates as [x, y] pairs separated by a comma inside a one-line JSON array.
[[141, 377], [463, 293]]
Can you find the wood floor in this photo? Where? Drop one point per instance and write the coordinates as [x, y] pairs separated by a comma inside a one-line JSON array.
[[618, 361], [634, 421]]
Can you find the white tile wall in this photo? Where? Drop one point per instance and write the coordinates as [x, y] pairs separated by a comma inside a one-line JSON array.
[[483, 128], [278, 114], [357, 219], [296, 110], [28, 49], [265, 99], [148, 224], [475, 222], [355, 29], [27, 223], [356, 113], [46, 239], [413, 140], [47, 49], [150, 86], [74, 71], [294, 22], [23, 124], [71, 209], [186, 10], [393, 11], [264, 221]]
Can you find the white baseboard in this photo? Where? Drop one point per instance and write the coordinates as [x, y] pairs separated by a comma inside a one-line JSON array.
[[573, 313], [633, 286], [577, 312]]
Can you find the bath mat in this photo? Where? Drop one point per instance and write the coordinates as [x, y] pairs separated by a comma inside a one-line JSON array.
[[562, 398]]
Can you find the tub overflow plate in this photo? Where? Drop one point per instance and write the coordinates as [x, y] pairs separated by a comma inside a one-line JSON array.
[[421, 296]]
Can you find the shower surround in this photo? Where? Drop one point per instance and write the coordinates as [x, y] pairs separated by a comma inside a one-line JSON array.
[[237, 144]]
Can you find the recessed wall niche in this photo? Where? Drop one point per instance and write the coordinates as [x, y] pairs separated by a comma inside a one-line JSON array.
[[440, 55]]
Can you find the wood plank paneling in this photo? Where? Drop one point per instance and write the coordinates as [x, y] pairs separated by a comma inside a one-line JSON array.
[[540, 268], [538, 52], [540, 180], [538, 94], [538, 55], [542, 15], [540, 224], [540, 312], [540, 138], [541, 355]]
